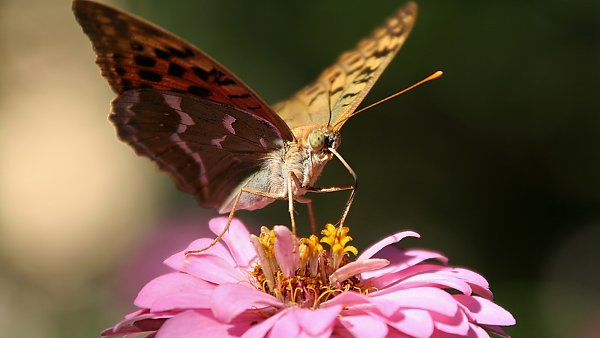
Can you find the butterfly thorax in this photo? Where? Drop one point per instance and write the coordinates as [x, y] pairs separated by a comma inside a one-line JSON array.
[[311, 150], [303, 158]]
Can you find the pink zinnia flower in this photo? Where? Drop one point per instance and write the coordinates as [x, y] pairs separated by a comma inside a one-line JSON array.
[[276, 285]]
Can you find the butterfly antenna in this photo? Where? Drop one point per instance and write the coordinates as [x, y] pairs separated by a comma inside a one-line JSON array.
[[431, 77]]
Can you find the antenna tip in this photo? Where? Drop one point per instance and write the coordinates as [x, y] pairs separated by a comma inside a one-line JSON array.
[[435, 75]]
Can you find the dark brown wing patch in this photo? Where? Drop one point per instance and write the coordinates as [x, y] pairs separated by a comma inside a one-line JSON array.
[[208, 148]]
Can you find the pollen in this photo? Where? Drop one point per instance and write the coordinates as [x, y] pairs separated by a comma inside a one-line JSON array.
[[297, 271]]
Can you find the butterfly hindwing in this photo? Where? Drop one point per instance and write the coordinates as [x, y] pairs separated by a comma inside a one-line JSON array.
[[134, 54], [343, 86], [208, 148]]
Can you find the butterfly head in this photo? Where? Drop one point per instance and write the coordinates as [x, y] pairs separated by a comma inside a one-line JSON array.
[[320, 140]]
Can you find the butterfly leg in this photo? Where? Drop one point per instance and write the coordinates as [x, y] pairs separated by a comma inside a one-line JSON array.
[[311, 214], [231, 214], [307, 201], [352, 187], [292, 180], [319, 190]]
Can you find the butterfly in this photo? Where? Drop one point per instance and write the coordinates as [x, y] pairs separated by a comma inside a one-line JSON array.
[[214, 135]]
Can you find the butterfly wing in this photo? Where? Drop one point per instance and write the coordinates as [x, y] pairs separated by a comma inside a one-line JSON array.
[[182, 109], [208, 148], [345, 84], [134, 54]]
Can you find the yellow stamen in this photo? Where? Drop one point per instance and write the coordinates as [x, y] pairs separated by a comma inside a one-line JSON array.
[[309, 285]]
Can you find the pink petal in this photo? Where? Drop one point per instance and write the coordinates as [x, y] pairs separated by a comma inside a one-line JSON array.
[[431, 279], [477, 282], [484, 311], [213, 269], [286, 252], [146, 322], [365, 326], [355, 268], [136, 313], [386, 307], [237, 239], [401, 260], [414, 323], [340, 332], [457, 324], [317, 322], [396, 334], [383, 281], [230, 300], [477, 332], [174, 291], [425, 298], [442, 282], [346, 299], [496, 329], [201, 323], [179, 260], [261, 329], [411, 257], [286, 326], [385, 242]]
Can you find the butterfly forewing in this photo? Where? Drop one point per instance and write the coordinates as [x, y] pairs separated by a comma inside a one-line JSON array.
[[208, 148], [346, 83], [134, 54]]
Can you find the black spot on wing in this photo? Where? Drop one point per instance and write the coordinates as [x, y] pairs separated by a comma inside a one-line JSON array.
[[176, 52], [225, 82], [201, 73], [314, 98], [149, 76], [161, 54], [144, 61], [364, 75], [242, 96], [359, 81], [337, 90], [214, 76], [187, 52], [200, 91], [367, 71], [348, 95], [381, 53], [176, 70]]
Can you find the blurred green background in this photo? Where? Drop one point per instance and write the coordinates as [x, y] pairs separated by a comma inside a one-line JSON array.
[[497, 164]]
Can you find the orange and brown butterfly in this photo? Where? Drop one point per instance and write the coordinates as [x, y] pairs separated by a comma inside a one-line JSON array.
[[215, 136]]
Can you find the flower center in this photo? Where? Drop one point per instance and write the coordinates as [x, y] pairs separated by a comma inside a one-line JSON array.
[[298, 271]]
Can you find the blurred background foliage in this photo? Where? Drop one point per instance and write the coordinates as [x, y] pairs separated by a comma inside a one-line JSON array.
[[496, 164]]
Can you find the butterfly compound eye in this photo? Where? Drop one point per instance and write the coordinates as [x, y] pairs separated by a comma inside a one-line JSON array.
[[316, 139]]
